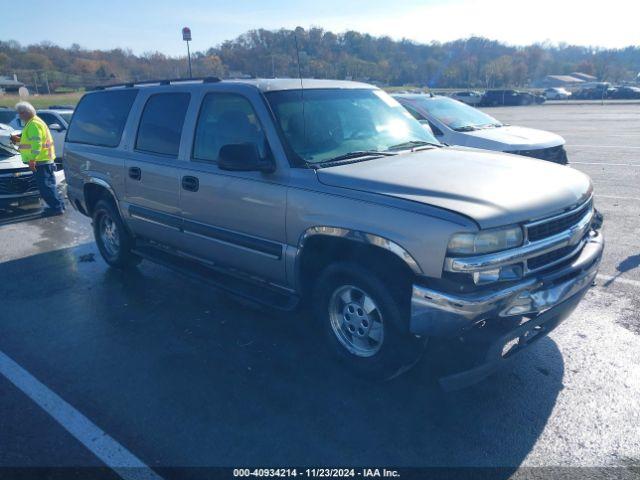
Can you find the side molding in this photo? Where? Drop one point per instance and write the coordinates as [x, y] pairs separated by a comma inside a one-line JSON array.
[[362, 237]]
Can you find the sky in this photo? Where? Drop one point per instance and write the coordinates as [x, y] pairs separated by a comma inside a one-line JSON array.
[[147, 26]]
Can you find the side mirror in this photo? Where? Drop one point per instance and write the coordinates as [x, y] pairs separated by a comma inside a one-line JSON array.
[[56, 126], [243, 157]]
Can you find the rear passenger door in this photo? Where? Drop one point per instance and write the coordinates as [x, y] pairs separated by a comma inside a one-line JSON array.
[[152, 168], [235, 219]]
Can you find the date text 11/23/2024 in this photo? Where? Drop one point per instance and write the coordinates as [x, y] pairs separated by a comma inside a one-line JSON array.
[[317, 472]]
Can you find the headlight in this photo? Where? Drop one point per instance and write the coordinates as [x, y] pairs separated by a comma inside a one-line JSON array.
[[485, 241]]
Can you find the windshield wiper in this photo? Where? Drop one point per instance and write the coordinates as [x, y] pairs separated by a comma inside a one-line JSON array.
[[466, 128], [413, 144], [353, 155]]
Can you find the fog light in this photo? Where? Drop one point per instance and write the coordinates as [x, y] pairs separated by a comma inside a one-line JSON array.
[[486, 276], [509, 272]]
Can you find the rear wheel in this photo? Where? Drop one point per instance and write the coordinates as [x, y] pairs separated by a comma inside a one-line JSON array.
[[363, 323], [114, 241]]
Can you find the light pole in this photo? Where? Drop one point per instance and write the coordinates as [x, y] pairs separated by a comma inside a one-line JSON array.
[[186, 36]]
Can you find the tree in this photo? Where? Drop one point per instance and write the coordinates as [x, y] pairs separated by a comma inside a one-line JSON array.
[[468, 62]]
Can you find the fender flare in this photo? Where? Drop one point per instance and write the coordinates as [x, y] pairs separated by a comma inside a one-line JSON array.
[[357, 236], [104, 184]]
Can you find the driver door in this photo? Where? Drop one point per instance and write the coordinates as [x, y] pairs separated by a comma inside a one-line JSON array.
[[235, 219]]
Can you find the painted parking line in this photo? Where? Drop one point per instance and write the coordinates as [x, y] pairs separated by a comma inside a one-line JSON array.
[[609, 279], [607, 164], [615, 197], [600, 146], [108, 450]]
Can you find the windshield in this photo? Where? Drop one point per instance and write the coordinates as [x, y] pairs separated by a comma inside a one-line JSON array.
[[456, 115], [66, 117], [337, 122]]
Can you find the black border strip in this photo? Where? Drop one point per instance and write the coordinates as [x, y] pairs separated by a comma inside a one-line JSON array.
[[153, 215], [252, 243]]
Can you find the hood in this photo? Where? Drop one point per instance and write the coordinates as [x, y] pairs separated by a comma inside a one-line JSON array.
[[511, 138], [9, 156], [494, 189]]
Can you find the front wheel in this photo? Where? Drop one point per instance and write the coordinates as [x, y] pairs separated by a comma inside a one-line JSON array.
[[363, 322], [114, 241]]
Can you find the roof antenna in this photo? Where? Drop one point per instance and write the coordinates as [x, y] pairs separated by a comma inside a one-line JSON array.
[[304, 121]]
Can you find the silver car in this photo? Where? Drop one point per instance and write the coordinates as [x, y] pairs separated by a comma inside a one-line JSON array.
[[469, 97], [334, 196], [57, 120]]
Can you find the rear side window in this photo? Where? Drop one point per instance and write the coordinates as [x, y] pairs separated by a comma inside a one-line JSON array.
[[161, 123], [100, 118]]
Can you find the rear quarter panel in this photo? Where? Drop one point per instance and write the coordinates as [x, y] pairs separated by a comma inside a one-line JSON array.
[[82, 163]]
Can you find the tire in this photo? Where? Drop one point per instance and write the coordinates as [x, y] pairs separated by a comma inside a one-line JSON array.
[[376, 344], [112, 237]]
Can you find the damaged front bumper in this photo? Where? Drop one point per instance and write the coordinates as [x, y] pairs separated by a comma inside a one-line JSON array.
[[544, 301]]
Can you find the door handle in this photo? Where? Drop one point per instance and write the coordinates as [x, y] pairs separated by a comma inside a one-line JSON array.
[[135, 173], [190, 183]]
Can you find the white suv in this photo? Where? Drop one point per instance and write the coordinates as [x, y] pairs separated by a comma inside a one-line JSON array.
[[557, 93]]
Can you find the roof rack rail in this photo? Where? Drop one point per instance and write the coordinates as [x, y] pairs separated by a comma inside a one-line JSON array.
[[166, 81]]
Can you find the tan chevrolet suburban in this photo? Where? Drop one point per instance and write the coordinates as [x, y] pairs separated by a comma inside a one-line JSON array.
[[330, 193]]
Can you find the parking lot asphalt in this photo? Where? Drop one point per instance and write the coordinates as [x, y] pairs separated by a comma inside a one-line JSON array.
[[179, 375], [603, 141]]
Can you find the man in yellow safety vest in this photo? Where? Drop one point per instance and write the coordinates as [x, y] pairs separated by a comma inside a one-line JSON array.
[[36, 148]]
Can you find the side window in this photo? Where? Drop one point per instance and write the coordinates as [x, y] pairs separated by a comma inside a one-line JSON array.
[[161, 123], [414, 113], [100, 117], [225, 119], [48, 118], [436, 131]]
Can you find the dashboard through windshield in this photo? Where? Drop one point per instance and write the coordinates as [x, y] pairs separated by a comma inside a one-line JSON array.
[[324, 124]]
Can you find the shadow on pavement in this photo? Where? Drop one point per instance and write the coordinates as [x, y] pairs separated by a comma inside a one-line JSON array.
[[183, 376], [19, 214], [629, 263]]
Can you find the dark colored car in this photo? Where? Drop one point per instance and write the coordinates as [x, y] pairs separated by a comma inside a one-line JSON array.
[[625, 93], [61, 107], [594, 93], [510, 97]]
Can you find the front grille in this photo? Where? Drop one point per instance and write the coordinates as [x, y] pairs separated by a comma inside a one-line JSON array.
[[555, 154], [18, 185], [555, 226], [548, 258]]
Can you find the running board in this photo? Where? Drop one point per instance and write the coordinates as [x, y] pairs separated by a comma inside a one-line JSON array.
[[254, 291]]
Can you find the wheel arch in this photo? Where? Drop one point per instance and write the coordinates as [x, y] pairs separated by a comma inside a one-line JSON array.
[[321, 244], [95, 189]]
